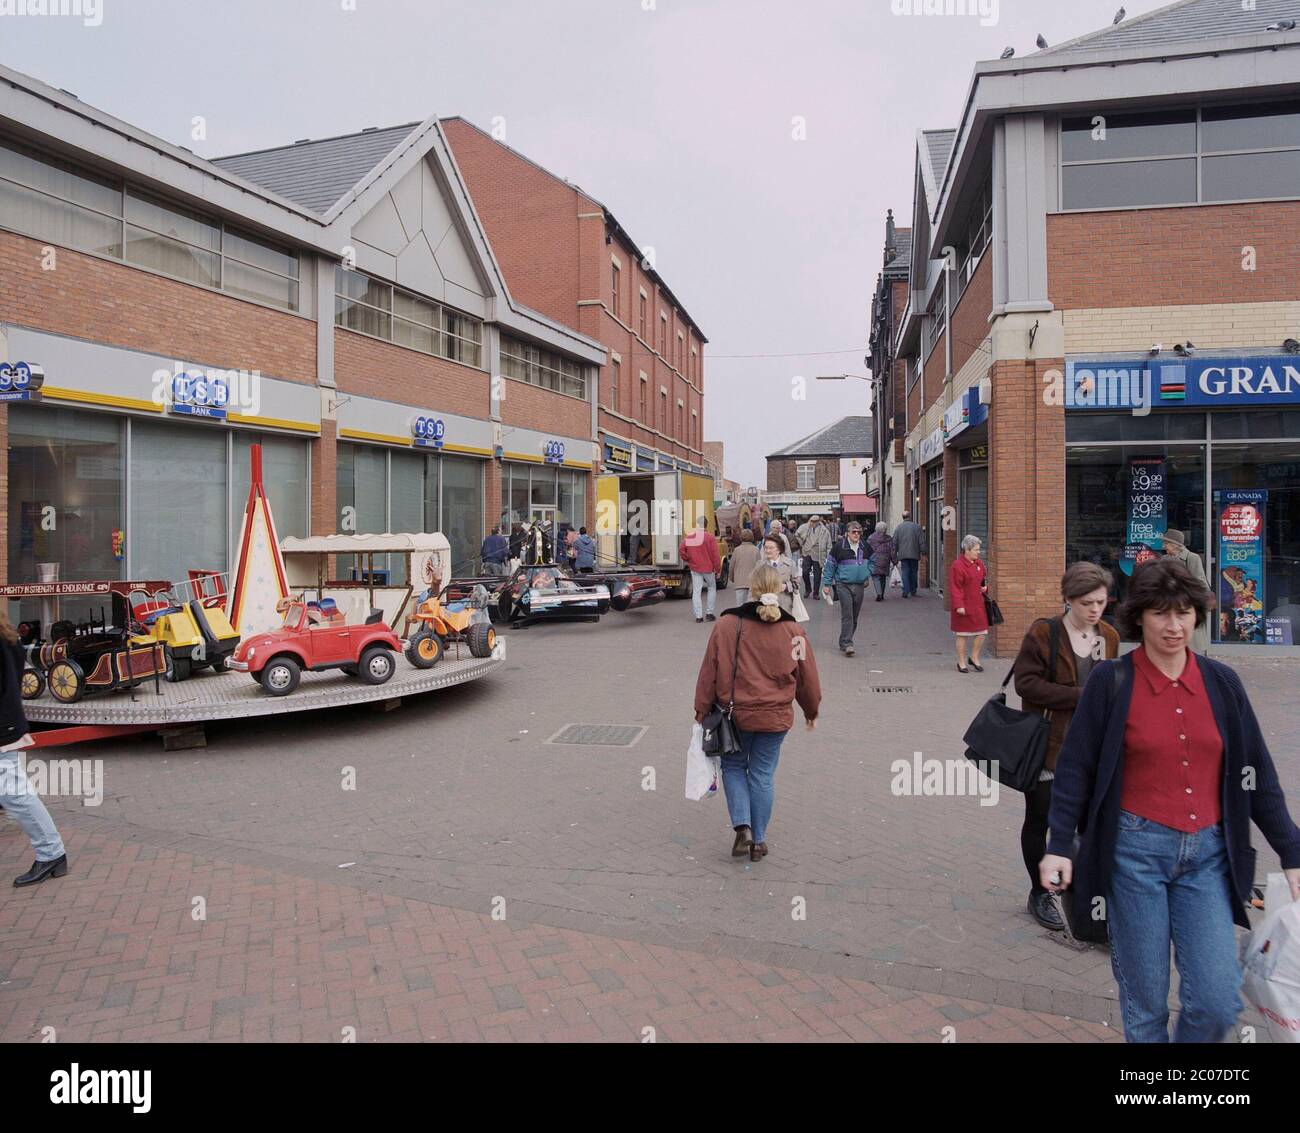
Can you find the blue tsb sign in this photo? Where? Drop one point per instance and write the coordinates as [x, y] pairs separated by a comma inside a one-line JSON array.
[[1202, 383]]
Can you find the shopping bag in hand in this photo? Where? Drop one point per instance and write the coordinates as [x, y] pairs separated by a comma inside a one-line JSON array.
[[1272, 963], [701, 769]]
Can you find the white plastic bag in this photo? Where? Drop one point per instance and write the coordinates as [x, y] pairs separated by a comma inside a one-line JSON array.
[[797, 609], [701, 769], [895, 576], [1272, 963]]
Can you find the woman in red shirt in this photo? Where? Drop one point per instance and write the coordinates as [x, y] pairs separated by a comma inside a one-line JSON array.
[[970, 621], [1162, 771]]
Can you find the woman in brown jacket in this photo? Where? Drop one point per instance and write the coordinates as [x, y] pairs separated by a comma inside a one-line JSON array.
[[1082, 640], [773, 666]]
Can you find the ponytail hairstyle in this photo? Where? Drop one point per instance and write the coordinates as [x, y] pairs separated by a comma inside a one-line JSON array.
[[764, 586]]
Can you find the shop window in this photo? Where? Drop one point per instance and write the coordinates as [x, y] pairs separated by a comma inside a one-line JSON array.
[[66, 499], [373, 307], [1096, 501], [1263, 586], [179, 518], [286, 462], [462, 509], [1256, 424], [1131, 427]]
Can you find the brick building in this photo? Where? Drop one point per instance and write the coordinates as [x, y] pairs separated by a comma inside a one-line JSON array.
[[1104, 303], [566, 256], [824, 473], [335, 300], [886, 482]]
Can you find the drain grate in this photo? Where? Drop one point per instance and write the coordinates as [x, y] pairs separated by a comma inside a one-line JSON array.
[[599, 735], [905, 690]]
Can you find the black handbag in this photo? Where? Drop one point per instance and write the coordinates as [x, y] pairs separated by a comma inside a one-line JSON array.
[[993, 611], [1009, 743], [719, 725]]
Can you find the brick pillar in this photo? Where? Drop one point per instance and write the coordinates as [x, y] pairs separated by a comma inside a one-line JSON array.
[[1026, 498], [952, 536], [492, 496], [324, 481]]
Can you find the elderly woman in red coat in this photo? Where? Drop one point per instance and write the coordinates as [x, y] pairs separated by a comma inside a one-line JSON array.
[[970, 620]]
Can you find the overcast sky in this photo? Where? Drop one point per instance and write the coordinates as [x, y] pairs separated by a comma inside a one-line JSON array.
[[677, 114]]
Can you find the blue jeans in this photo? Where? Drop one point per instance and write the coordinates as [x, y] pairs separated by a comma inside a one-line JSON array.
[[703, 581], [24, 806], [747, 780], [1167, 886], [909, 570]]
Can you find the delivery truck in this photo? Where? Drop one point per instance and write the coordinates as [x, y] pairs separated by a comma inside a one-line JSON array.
[[641, 518]]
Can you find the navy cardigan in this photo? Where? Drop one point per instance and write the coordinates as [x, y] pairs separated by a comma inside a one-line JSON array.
[[1090, 771]]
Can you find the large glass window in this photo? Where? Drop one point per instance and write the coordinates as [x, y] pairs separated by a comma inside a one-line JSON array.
[[545, 368], [1096, 501], [286, 463], [179, 517], [934, 524], [1131, 427], [462, 510], [379, 309], [1276, 469], [66, 499], [52, 200], [1216, 153], [525, 487]]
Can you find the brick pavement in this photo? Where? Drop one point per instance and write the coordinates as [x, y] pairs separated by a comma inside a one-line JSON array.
[[460, 800]]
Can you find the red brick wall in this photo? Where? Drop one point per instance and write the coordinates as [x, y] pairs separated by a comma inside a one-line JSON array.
[[531, 220], [86, 297], [782, 477], [535, 408], [934, 373], [1026, 499], [1153, 257], [970, 321], [373, 368]]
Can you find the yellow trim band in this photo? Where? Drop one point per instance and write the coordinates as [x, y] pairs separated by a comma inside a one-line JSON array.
[[274, 423], [100, 399]]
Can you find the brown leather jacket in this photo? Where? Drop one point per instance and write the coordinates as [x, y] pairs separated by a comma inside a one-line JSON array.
[[1058, 692], [773, 670]]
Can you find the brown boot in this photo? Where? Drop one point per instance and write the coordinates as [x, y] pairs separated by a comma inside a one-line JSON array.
[[757, 851], [742, 843]]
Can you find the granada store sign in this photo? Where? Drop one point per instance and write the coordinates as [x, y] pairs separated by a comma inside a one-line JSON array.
[[1203, 383], [20, 381]]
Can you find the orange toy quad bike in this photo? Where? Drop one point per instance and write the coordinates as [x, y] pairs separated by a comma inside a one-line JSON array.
[[438, 625]]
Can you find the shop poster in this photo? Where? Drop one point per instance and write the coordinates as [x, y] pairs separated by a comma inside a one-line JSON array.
[[1241, 565], [1147, 511]]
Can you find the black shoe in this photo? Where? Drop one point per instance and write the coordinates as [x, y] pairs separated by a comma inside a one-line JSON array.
[[710, 618], [41, 870], [1043, 909], [698, 621], [977, 666]]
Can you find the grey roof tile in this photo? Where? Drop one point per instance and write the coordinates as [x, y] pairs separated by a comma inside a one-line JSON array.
[[902, 249], [1183, 22], [849, 436], [317, 174]]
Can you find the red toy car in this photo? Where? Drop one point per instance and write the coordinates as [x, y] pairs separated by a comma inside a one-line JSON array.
[[314, 636]]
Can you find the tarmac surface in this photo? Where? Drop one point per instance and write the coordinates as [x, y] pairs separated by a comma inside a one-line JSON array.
[[443, 871]]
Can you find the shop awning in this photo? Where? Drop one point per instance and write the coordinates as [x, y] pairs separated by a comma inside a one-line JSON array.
[[858, 505]]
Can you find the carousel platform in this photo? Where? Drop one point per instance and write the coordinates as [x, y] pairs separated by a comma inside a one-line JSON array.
[[180, 710]]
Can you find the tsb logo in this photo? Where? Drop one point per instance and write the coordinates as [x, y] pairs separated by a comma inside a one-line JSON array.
[[428, 431], [553, 452], [19, 380]]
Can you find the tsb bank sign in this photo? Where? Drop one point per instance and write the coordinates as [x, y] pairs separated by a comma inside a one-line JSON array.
[[1194, 382]]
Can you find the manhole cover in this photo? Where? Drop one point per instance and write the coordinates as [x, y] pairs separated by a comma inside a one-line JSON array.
[[598, 735], [905, 690]]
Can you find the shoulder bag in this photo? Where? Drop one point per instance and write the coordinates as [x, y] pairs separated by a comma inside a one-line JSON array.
[[719, 725], [1009, 743]]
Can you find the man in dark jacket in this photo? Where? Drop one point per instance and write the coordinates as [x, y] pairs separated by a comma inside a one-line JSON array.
[[883, 557], [496, 548], [845, 573], [909, 539]]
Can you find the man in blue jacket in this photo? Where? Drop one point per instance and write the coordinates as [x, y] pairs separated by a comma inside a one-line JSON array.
[[496, 548], [584, 560], [847, 569]]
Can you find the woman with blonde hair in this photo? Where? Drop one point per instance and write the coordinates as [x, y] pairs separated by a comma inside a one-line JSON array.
[[758, 663], [16, 795]]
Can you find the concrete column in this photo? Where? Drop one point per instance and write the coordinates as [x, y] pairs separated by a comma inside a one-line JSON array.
[[1020, 203]]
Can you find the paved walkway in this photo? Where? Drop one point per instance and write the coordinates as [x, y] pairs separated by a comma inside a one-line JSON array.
[[373, 908]]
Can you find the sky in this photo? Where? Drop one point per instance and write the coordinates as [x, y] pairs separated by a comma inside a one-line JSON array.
[[755, 145]]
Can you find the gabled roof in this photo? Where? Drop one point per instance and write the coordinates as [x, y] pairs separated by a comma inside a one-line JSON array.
[[1184, 22], [902, 251], [935, 147], [318, 174], [849, 436]]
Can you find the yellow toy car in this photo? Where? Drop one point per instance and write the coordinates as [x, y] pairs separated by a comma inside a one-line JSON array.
[[193, 636], [437, 625]]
